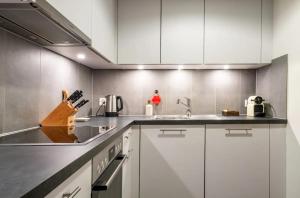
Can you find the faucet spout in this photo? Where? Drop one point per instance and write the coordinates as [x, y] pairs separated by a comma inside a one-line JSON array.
[[187, 105]]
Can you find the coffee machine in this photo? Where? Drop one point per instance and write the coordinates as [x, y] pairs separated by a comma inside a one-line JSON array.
[[256, 106], [114, 104]]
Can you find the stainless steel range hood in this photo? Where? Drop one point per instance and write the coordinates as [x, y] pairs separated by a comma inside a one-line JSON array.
[[38, 21]]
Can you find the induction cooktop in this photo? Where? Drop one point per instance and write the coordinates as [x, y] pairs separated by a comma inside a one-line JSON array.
[[56, 135]]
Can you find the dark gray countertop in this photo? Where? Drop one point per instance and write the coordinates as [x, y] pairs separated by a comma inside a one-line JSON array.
[[33, 171]]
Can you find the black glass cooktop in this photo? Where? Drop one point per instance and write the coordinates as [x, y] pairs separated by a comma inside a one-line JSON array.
[[56, 135]]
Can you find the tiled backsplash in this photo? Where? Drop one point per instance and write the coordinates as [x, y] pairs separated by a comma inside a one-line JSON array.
[[31, 81], [272, 85], [211, 91]]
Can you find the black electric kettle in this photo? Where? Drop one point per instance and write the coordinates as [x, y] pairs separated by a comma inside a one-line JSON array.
[[114, 104]]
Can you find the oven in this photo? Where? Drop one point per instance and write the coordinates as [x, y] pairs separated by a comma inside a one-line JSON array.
[[107, 171]]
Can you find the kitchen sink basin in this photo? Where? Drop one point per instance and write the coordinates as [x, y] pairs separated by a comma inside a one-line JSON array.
[[170, 117], [184, 117]]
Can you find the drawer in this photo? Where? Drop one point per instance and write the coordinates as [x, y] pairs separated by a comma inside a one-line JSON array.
[[77, 185]]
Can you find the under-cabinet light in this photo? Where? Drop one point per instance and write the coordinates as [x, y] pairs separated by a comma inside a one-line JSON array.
[[81, 56]]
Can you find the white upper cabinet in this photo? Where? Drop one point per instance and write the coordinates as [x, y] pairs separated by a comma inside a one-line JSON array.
[[76, 11], [267, 31], [104, 28], [139, 31], [233, 31], [182, 31]]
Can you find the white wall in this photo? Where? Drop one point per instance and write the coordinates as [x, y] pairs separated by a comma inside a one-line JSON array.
[[287, 41]]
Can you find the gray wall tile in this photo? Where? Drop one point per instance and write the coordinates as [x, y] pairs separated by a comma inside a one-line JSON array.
[[179, 84], [22, 81], [248, 88], [272, 85], [31, 81], [85, 83], [228, 90], [204, 93], [2, 75], [57, 74], [155, 80]]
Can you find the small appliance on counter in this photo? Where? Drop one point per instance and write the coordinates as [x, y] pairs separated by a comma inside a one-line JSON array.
[[114, 104], [256, 106]]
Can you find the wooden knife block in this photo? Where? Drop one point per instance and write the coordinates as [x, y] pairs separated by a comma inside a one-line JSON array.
[[62, 115]]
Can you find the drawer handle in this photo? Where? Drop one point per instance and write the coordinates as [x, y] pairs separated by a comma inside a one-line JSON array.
[[246, 134], [72, 194], [173, 130], [180, 134]]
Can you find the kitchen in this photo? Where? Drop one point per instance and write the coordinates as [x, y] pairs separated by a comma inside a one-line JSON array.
[[149, 98]]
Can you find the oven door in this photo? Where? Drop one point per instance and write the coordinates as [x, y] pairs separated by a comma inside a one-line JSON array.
[[109, 184]]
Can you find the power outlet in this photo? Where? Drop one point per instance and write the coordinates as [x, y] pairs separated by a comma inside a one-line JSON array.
[[102, 101]]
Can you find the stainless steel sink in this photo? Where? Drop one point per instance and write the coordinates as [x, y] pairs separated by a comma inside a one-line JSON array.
[[170, 117], [205, 117], [184, 117]]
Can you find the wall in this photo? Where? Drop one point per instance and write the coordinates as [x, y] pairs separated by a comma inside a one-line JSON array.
[[287, 41], [31, 81], [211, 91], [271, 84]]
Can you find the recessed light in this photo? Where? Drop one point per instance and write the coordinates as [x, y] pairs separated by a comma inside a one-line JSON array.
[[141, 67], [81, 56], [226, 67], [180, 67]]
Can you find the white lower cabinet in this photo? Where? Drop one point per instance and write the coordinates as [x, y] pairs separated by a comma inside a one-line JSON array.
[[172, 161], [277, 161], [237, 161], [77, 185], [130, 173]]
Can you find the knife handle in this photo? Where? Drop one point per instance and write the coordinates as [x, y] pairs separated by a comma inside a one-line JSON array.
[[81, 103]]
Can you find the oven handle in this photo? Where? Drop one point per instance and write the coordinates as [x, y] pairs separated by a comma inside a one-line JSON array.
[[104, 184]]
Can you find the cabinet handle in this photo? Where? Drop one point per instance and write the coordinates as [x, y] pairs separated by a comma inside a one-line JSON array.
[[72, 194], [173, 130], [180, 134], [105, 181], [246, 134]]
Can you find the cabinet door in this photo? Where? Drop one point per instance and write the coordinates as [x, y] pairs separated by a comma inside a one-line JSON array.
[[131, 166], [182, 31], [134, 156], [277, 160], [104, 28], [172, 162], [77, 185], [139, 31], [127, 170], [76, 11], [237, 161], [267, 31], [232, 31]]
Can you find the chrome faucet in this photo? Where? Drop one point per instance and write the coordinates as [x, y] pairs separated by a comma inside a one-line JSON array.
[[187, 105]]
